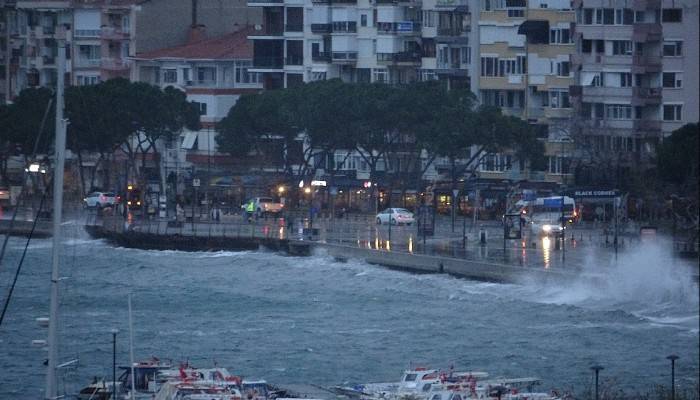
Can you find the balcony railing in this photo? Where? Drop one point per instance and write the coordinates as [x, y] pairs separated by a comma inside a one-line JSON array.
[[265, 1], [402, 57], [321, 57], [451, 31], [340, 56], [87, 33], [86, 62], [647, 125], [294, 60], [344, 27], [49, 60], [407, 27], [321, 28], [294, 28], [268, 62], [390, 2], [112, 32], [269, 30], [115, 64], [48, 30]]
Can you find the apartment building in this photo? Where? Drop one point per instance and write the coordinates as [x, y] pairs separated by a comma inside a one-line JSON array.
[[214, 73], [101, 35], [6, 8], [637, 78], [392, 41], [525, 69]]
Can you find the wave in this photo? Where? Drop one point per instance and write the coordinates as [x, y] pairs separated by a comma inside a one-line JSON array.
[[645, 282]]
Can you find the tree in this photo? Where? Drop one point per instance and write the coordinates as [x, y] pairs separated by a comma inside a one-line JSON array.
[[677, 157]]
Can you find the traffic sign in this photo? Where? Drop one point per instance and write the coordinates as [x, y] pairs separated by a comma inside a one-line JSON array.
[[195, 182]]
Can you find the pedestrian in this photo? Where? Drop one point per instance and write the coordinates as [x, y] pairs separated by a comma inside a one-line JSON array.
[[250, 209]]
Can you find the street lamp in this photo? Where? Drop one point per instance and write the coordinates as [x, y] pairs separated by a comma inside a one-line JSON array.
[[597, 369], [114, 362], [673, 359]]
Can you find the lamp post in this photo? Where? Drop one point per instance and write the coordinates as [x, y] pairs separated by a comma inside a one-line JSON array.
[[597, 369], [114, 361], [308, 191], [673, 359]]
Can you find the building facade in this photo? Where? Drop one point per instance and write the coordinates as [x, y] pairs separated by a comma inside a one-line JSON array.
[[637, 79], [361, 41]]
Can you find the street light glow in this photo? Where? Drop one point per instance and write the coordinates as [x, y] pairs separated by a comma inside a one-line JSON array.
[[307, 190], [280, 189]]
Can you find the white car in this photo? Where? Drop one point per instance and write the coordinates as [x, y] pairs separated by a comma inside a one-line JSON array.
[[100, 199], [264, 205], [395, 216]]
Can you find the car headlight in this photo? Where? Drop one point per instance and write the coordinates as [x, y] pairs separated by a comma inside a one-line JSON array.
[[546, 228]]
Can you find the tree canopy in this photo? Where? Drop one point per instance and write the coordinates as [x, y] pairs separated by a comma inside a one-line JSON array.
[[378, 122], [677, 156]]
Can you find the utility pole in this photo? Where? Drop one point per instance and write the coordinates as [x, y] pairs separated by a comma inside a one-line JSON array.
[[114, 362], [596, 369], [673, 359]]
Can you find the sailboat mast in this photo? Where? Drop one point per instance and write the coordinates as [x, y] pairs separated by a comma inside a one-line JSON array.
[[59, 155]]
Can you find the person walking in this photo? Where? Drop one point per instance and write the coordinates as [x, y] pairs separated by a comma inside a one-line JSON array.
[[250, 209]]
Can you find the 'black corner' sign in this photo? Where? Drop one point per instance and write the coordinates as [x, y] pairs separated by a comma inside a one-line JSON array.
[[596, 193]]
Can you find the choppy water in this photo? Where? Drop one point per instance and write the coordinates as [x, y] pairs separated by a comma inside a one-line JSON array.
[[292, 320]]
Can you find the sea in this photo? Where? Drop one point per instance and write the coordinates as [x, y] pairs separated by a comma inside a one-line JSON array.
[[318, 321]]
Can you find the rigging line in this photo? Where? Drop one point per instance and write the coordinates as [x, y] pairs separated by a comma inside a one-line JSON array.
[[21, 260], [24, 186]]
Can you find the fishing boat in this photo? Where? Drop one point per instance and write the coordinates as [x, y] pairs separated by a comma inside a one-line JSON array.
[[432, 384]]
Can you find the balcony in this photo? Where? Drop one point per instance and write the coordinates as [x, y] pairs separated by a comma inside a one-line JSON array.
[[344, 57], [48, 30], [86, 62], [294, 28], [647, 63], [320, 28], [294, 60], [403, 27], [87, 33], [114, 33], [115, 64], [258, 3], [49, 60], [269, 30], [646, 32], [344, 27], [642, 5], [405, 57], [268, 62], [399, 2], [321, 57], [646, 96], [646, 125], [557, 113]]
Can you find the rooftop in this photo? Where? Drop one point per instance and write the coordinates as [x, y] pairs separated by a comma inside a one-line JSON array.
[[230, 46]]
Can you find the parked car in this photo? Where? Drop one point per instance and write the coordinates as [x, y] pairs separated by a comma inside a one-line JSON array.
[[264, 205], [100, 199], [395, 216]]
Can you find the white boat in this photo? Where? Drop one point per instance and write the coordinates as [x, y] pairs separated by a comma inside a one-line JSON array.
[[432, 384]]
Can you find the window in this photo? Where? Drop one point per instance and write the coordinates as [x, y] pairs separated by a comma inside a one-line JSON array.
[[624, 16], [169, 75], [206, 75], [560, 36], [489, 66], [588, 16], [563, 68], [380, 75], [622, 47], [202, 107], [625, 79], [672, 80], [673, 48], [429, 18], [639, 16], [608, 16], [87, 80], [466, 55], [598, 80], [428, 75], [242, 74], [363, 20], [559, 99], [496, 163], [559, 165], [186, 75], [516, 12], [672, 15], [618, 111], [672, 112]]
